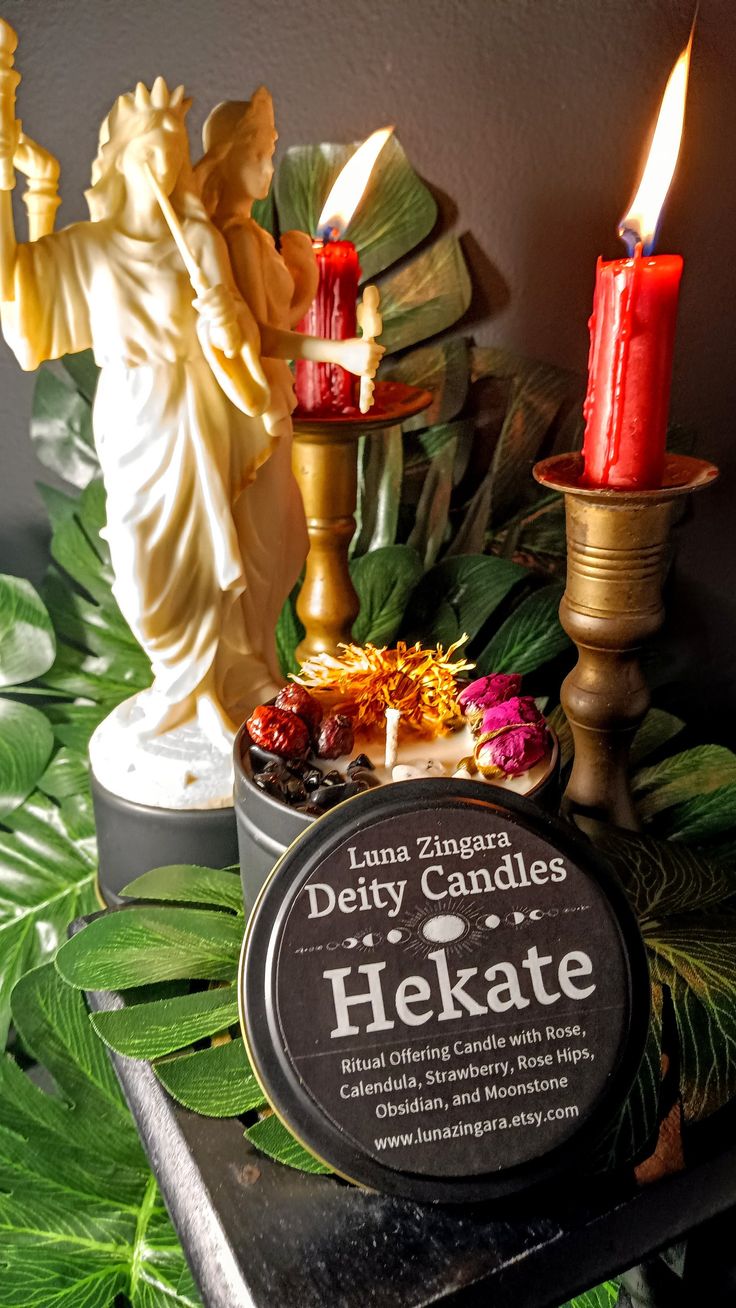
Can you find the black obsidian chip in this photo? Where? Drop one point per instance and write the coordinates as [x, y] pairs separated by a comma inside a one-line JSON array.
[[444, 992]]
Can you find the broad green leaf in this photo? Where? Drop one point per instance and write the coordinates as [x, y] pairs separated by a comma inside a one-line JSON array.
[[603, 1296], [536, 399], [47, 878], [396, 212], [531, 636], [384, 581], [289, 633], [161, 1026], [695, 957], [431, 522], [443, 368], [146, 943], [693, 772], [701, 817], [272, 1138], [66, 776], [187, 884], [657, 729], [27, 644], [458, 596], [98, 628], [73, 724], [663, 879], [83, 371], [61, 427], [425, 296], [637, 1127], [535, 537], [217, 1081], [81, 1221], [264, 213], [71, 546], [380, 472], [26, 742]]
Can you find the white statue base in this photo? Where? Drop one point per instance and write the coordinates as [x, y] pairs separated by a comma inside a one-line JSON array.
[[181, 769]]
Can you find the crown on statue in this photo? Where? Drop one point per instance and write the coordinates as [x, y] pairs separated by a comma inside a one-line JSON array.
[[123, 120]]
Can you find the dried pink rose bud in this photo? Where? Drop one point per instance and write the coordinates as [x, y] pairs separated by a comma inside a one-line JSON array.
[[487, 691], [511, 712], [513, 752]]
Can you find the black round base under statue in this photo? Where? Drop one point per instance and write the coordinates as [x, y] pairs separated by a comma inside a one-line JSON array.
[[134, 838]]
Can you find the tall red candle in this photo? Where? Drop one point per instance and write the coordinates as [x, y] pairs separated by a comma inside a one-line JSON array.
[[326, 388], [632, 336], [632, 328]]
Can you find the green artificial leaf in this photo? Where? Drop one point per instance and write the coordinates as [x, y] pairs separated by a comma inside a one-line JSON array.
[[71, 546], [694, 772], [141, 944], [217, 1081], [264, 213], [83, 371], [61, 424], [81, 1220], [444, 369], [433, 510], [425, 296], [73, 724], [162, 1026], [603, 1296], [637, 1128], [380, 473], [663, 879], [535, 537], [695, 958], [188, 884], [536, 398], [47, 878], [290, 632], [657, 729], [702, 817], [272, 1138], [396, 212], [384, 581], [26, 742], [458, 596], [66, 776], [531, 636], [27, 644]]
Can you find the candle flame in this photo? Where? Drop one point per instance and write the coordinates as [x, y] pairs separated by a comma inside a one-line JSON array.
[[349, 185], [640, 223]]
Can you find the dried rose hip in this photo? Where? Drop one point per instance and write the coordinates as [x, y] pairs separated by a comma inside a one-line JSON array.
[[298, 700], [335, 737], [278, 731]]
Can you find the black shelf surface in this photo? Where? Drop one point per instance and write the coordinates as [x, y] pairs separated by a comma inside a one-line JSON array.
[[258, 1233]]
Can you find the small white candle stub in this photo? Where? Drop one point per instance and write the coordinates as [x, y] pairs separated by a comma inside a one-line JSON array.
[[392, 735]]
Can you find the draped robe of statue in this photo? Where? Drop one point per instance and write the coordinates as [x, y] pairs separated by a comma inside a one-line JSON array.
[[176, 455], [270, 515]]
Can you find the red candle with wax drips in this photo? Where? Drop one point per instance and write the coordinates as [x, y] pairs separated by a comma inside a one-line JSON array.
[[326, 388], [632, 337], [632, 328]]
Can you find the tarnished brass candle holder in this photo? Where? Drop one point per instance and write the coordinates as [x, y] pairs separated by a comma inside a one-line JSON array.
[[617, 549], [326, 468]]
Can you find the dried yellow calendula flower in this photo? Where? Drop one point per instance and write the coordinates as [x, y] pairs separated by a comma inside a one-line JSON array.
[[421, 683]]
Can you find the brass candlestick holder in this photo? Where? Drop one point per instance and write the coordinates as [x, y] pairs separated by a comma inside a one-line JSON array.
[[617, 546], [326, 468]]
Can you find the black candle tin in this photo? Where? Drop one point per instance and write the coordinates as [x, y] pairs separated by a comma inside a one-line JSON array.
[[444, 992]]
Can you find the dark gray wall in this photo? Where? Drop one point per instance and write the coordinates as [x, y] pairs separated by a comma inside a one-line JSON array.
[[529, 115]]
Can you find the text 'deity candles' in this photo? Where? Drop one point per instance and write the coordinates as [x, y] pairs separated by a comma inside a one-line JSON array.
[[632, 328], [326, 388]]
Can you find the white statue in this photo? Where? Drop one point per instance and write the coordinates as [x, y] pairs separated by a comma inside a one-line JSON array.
[[178, 433], [239, 139]]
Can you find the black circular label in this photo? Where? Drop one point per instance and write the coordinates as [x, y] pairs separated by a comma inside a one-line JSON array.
[[451, 991]]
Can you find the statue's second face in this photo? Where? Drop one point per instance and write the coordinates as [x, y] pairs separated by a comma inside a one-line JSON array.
[[164, 148], [251, 165]]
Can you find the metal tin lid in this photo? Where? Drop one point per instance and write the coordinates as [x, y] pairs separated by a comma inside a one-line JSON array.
[[443, 992]]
